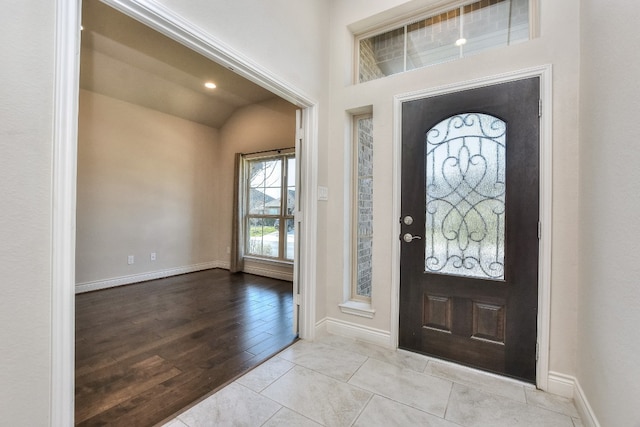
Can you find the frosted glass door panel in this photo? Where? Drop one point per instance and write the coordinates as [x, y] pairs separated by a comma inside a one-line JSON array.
[[465, 196]]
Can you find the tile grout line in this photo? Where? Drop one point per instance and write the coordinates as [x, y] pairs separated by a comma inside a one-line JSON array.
[[557, 411], [356, 371], [271, 417], [444, 416], [484, 390], [280, 376], [363, 408]]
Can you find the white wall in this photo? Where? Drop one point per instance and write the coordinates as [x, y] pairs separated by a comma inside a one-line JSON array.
[[559, 45], [609, 292], [147, 182], [26, 108], [286, 37], [26, 100]]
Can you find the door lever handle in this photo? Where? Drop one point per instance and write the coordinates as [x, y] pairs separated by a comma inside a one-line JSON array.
[[408, 237]]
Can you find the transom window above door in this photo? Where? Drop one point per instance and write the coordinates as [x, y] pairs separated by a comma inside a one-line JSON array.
[[441, 35]]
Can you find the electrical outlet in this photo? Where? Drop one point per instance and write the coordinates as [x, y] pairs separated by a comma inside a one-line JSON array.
[[153, 256], [130, 259]]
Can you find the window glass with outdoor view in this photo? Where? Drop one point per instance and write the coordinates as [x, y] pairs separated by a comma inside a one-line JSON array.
[[363, 207], [271, 197], [442, 36]]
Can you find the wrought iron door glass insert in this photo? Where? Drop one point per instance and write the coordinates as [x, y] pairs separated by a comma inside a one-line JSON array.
[[465, 196]]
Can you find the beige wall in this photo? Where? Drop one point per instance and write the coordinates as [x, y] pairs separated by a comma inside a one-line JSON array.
[[26, 120], [152, 182], [559, 45], [147, 182], [259, 127], [609, 290]]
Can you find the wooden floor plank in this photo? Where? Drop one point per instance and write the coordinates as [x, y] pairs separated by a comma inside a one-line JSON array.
[[120, 388], [145, 351]]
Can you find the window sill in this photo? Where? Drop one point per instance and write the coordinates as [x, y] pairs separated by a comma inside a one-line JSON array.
[[268, 261], [357, 308]]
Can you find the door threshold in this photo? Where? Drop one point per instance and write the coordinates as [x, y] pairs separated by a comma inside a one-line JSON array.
[[470, 369]]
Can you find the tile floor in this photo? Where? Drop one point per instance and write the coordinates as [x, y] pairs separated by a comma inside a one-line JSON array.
[[336, 381]]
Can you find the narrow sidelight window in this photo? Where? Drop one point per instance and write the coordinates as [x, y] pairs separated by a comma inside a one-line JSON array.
[[363, 207]]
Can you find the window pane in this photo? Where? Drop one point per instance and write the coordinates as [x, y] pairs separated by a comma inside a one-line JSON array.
[[290, 236], [291, 185], [494, 24], [263, 237], [456, 33], [270, 198], [265, 182], [364, 207], [433, 40], [256, 201], [465, 194], [382, 55]]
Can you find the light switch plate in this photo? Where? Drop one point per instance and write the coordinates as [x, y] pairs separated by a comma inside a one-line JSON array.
[[323, 193]]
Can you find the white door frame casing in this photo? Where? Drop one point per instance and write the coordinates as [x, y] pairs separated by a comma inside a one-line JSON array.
[[544, 263], [67, 60], [63, 210]]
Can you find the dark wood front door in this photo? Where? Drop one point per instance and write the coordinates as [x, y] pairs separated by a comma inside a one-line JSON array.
[[469, 251]]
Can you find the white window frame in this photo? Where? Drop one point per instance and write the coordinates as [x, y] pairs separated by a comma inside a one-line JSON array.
[[355, 220], [283, 155], [354, 304], [418, 15]]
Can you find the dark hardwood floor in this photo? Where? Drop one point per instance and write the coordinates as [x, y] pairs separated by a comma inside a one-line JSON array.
[[146, 351]]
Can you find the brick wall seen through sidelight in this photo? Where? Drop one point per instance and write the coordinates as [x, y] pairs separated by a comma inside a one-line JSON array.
[[364, 206]]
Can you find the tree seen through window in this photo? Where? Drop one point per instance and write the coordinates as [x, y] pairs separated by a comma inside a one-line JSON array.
[[270, 206]]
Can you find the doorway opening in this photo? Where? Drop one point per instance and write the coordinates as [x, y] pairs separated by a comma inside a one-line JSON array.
[[541, 349], [469, 260], [63, 264]]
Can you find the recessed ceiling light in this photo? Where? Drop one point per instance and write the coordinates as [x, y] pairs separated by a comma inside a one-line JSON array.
[[461, 41], [210, 85]]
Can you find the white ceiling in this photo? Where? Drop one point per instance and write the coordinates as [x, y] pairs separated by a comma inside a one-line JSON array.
[[127, 60]]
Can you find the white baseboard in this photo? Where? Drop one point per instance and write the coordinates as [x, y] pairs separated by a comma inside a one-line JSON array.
[[568, 386], [321, 328], [584, 409], [355, 331], [152, 275], [267, 272], [141, 277], [561, 384]]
